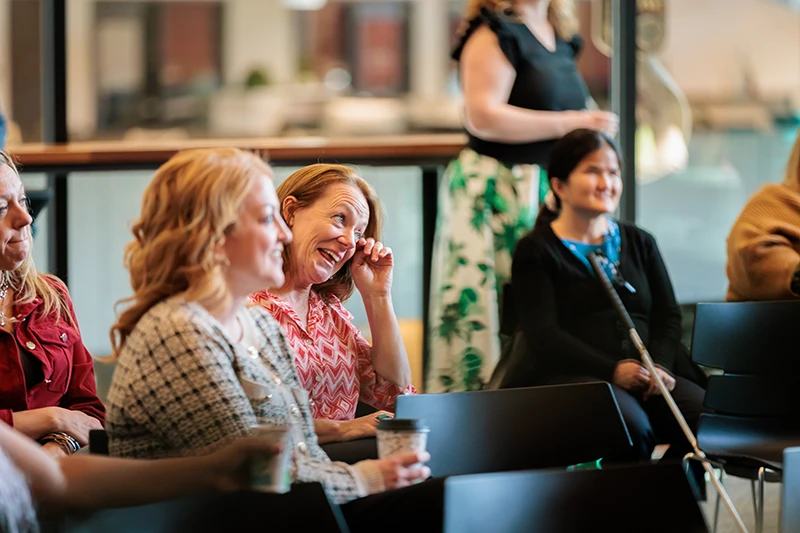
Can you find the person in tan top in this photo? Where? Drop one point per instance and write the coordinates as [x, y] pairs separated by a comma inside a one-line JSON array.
[[764, 243]]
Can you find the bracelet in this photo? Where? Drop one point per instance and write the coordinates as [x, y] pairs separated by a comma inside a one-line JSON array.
[[64, 441]]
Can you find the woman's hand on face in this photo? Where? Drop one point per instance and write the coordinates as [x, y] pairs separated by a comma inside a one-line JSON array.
[[404, 469], [372, 268]]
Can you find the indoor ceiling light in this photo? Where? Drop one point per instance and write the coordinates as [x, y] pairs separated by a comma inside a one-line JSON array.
[[304, 5]]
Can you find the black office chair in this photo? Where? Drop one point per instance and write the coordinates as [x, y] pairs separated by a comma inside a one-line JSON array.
[[516, 365], [790, 510], [516, 429], [305, 508], [656, 498], [752, 421]]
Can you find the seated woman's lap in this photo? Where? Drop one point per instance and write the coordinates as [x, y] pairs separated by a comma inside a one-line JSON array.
[[650, 422]]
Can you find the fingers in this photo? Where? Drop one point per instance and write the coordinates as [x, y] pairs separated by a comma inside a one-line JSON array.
[[407, 469], [258, 446], [411, 458], [374, 250]]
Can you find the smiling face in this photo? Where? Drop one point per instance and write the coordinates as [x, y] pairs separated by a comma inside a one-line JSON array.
[[325, 232], [594, 187], [15, 222], [255, 244]]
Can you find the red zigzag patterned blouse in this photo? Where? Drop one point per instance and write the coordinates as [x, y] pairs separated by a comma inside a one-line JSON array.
[[332, 358]]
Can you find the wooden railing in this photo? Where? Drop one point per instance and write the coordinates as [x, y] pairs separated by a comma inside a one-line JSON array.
[[413, 150]]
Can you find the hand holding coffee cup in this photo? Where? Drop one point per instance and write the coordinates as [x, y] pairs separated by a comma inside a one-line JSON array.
[[404, 469], [272, 474]]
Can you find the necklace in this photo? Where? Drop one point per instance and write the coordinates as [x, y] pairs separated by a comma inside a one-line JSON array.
[[3, 318]]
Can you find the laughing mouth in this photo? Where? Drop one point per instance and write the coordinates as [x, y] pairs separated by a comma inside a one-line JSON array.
[[329, 256]]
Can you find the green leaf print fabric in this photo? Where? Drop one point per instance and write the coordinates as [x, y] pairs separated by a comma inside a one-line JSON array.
[[484, 208]]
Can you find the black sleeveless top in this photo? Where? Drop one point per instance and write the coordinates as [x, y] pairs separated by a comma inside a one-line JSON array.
[[546, 81]]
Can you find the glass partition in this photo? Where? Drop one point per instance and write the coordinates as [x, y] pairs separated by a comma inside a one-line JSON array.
[[718, 109]]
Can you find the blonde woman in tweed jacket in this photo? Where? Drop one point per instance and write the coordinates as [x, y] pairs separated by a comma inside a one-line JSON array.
[[196, 367]]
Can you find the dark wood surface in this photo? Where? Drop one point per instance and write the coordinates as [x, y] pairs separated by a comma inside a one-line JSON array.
[[417, 150]]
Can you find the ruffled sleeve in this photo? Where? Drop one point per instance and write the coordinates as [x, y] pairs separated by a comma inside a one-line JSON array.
[[505, 36]]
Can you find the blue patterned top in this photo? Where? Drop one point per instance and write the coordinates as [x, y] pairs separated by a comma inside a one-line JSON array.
[[607, 251]]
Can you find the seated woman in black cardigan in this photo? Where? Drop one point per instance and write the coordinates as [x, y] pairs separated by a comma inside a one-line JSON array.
[[568, 320]]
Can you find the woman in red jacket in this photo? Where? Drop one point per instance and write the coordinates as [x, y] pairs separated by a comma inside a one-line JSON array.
[[47, 386]]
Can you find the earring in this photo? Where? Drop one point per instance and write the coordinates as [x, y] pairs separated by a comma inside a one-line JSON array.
[[505, 10]]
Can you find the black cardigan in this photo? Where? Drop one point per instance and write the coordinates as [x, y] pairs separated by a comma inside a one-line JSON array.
[[570, 325]]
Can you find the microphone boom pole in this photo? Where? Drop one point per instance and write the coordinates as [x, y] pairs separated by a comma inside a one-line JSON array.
[[676, 412]]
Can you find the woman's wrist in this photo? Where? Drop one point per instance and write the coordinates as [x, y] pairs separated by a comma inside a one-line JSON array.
[[573, 120], [65, 441], [373, 298]]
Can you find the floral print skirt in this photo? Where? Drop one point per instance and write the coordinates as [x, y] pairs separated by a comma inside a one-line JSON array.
[[484, 208]]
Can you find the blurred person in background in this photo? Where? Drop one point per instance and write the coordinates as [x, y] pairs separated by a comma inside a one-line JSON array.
[[764, 243], [522, 92]]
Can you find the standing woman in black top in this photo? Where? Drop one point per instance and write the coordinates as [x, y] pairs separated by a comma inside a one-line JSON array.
[[575, 333], [522, 92]]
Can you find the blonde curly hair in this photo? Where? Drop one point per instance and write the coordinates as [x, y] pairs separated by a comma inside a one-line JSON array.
[[188, 209], [28, 284], [561, 14]]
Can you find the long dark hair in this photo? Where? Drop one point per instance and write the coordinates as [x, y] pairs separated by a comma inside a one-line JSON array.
[[565, 157]]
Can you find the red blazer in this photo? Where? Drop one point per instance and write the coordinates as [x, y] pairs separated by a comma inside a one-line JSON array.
[[67, 366]]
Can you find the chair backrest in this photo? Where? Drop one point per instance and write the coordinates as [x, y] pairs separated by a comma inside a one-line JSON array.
[[790, 511], [747, 337], [650, 497], [516, 429], [754, 396], [305, 508]]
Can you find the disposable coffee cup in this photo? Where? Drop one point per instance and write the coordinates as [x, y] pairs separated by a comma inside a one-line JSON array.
[[401, 435], [272, 474]]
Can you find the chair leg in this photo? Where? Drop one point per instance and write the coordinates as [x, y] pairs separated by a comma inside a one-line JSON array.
[[760, 517], [755, 503], [719, 499]]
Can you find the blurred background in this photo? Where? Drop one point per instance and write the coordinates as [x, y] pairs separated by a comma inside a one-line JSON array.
[[717, 109]]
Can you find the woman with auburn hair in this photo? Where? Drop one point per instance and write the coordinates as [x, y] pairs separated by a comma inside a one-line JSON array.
[[196, 366], [47, 390], [336, 220], [522, 92], [764, 243]]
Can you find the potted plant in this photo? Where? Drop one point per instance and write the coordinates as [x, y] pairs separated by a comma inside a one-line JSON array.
[[256, 108]]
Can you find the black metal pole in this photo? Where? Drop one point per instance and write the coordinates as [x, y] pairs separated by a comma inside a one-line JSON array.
[[623, 95], [54, 122], [430, 191]]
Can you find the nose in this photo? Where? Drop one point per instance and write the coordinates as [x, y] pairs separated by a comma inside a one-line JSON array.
[[21, 217], [348, 238]]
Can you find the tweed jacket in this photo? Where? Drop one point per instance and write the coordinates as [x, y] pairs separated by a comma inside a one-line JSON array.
[[183, 387]]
